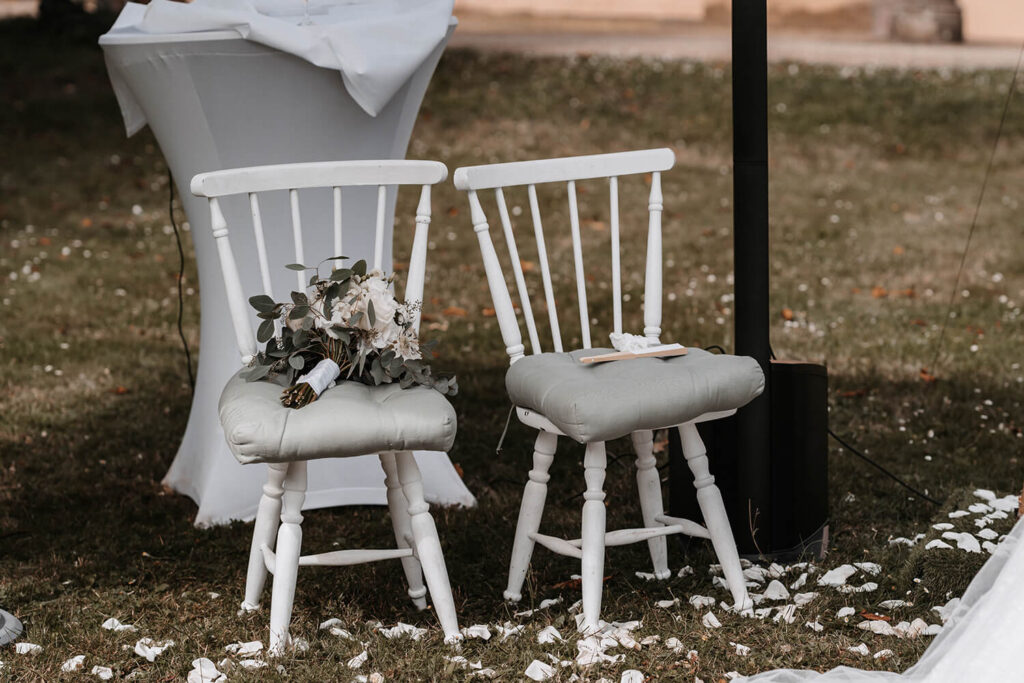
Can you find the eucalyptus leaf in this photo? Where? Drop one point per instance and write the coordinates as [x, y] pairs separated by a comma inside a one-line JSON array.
[[254, 373], [265, 331], [359, 267], [262, 303], [297, 362], [297, 266], [298, 312], [370, 315], [299, 298]]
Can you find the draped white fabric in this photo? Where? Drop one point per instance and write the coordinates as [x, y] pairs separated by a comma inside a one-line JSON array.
[[377, 45], [982, 641]]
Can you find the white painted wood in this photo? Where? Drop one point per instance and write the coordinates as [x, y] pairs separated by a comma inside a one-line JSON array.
[[709, 498], [289, 546], [264, 534], [531, 509], [378, 235], [344, 558], [577, 259], [648, 484], [689, 527], [301, 276], [428, 547], [517, 271], [398, 506], [318, 174], [592, 564], [545, 270], [336, 191], [613, 218], [629, 536], [652, 285], [233, 285], [503, 309], [277, 534], [564, 169], [418, 256], [557, 545]]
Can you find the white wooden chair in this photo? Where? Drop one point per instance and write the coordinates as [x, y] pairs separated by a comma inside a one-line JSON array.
[[350, 419], [593, 403]]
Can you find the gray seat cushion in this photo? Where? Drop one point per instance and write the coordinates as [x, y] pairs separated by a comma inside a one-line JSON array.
[[348, 419], [603, 401]]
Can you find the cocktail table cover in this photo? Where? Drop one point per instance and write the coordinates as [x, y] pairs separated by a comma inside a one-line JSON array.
[[215, 100]]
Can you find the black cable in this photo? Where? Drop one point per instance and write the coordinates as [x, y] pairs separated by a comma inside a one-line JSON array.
[[977, 210], [880, 468], [181, 277], [714, 346]]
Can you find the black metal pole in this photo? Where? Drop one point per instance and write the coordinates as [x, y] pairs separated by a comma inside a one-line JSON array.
[[750, 244]]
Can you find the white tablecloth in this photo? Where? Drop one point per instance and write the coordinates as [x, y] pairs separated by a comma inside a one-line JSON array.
[[216, 101]]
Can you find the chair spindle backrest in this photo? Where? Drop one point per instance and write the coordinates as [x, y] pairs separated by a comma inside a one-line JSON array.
[[569, 170], [294, 177]]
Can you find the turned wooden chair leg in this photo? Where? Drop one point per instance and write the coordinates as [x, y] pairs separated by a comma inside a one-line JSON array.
[[289, 546], [398, 506], [428, 546], [648, 483], [592, 564], [264, 533], [715, 519], [531, 509]]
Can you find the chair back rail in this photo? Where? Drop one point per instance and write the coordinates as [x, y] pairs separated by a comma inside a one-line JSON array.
[[253, 181], [497, 177]]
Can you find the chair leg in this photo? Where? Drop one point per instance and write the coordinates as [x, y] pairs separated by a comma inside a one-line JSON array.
[[264, 533], [711, 506], [398, 506], [428, 546], [648, 483], [531, 509], [289, 545], [592, 570]]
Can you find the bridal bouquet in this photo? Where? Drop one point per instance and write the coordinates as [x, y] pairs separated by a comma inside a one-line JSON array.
[[348, 325]]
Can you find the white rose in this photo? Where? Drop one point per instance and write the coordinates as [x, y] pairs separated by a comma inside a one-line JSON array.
[[376, 291]]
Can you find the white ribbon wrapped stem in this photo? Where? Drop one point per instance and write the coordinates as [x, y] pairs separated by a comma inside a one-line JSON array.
[[321, 376]]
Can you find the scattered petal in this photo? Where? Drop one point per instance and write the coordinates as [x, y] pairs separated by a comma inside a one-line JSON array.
[[872, 568], [685, 571], [802, 599], [507, 630], [105, 673], [946, 611], [400, 629], [883, 654], [674, 644], [113, 624], [539, 671], [786, 613], [964, 541], [958, 513], [741, 650], [845, 612], [73, 664], [549, 634], [667, 604], [799, 582], [861, 649], [477, 631], [244, 649], [814, 626], [893, 604], [837, 576], [27, 648], [709, 620], [701, 601], [205, 671], [150, 649], [776, 591], [357, 661], [942, 526], [341, 633], [632, 676], [937, 543], [646, 576], [330, 623]]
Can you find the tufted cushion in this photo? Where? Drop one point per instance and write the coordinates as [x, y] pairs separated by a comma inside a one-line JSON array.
[[603, 401], [349, 419]]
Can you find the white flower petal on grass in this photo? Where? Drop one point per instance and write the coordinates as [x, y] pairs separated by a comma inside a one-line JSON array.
[[400, 629], [550, 602], [667, 604], [632, 676], [675, 645], [837, 576], [650, 640], [741, 650], [964, 541], [341, 633], [150, 649], [861, 649], [104, 673], [802, 599], [539, 671], [932, 630], [113, 624], [786, 613], [868, 587], [591, 650], [479, 631], [549, 634], [979, 508], [252, 664], [685, 571], [507, 630], [985, 494], [801, 580], [205, 671], [73, 664], [464, 663], [814, 626], [330, 623], [872, 568], [776, 591], [956, 514], [646, 576], [987, 534], [483, 673], [244, 649], [1006, 503], [878, 626], [575, 607], [946, 611], [776, 570], [27, 648], [755, 573], [763, 612], [989, 547], [701, 601], [357, 661], [937, 543], [883, 654], [893, 604], [942, 526], [709, 620], [845, 612]]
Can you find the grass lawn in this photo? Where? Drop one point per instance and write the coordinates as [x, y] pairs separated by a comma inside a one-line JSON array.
[[875, 179]]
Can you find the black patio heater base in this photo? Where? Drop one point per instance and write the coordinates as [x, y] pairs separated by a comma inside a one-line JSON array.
[[786, 516]]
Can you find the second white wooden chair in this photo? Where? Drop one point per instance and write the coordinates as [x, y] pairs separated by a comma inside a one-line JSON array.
[[351, 419], [593, 403]]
